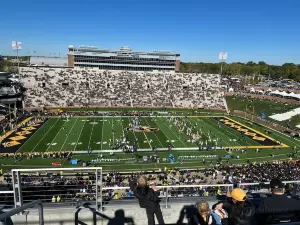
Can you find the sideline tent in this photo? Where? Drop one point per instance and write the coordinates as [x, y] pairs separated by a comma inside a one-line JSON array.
[[260, 92], [297, 96], [284, 94], [287, 115], [275, 92]]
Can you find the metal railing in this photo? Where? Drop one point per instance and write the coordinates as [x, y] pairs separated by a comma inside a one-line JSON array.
[[166, 193], [243, 185], [18, 186], [6, 198], [177, 191], [38, 203]]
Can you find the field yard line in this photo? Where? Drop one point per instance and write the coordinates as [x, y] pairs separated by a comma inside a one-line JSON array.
[[138, 145], [79, 135], [68, 135], [32, 136], [102, 132], [176, 135], [155, 134], [165, 134], [91, 134], [147, 139], [217, 131], [44, 135], [56, 135], [247, 138]]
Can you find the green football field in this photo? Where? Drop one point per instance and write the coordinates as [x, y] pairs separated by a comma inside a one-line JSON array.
[[79, 134], [101, 133]]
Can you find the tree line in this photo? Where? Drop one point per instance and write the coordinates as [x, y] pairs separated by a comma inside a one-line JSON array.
[[285, 71]]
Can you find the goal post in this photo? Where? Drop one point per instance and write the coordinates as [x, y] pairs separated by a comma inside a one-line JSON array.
[[86, 182]]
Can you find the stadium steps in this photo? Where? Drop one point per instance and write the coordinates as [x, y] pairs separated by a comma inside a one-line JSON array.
[[225, 104]]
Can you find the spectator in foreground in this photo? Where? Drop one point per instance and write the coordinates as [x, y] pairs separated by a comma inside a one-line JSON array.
[[148, 199], [240, 210], [206, 216], [203, 216], [278, 208]]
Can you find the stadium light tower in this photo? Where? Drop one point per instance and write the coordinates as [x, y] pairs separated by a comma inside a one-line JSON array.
[[17, 46], [222, 57]]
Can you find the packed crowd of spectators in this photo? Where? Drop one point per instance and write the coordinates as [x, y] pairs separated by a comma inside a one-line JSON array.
[[262, 172], [71, 187], [70, 87]]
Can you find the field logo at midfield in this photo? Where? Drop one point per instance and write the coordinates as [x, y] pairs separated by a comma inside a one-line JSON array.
[[144, 129], [255, 135]]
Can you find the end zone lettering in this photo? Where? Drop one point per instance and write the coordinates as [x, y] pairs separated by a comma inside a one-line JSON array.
[[263, 140], [14, 139]]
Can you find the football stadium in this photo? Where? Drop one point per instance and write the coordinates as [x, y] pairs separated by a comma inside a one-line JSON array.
[[82, 135], [140, 136]]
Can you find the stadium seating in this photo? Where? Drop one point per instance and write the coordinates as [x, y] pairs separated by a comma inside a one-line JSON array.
[[69, 87]]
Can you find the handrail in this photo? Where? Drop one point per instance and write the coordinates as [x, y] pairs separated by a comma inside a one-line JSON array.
[[6, 192], [74, 169], [256, 183], [175, 186], [15, 211]]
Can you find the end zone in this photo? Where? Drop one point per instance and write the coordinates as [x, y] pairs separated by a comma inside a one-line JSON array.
[[14, 139]]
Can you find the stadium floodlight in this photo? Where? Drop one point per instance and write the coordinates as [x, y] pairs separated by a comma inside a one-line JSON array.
[[17, 46], [222, 57]]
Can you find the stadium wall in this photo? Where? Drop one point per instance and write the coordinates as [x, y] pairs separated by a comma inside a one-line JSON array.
[[54, 61]]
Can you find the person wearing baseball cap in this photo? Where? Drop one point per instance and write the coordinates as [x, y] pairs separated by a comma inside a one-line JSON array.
[[278, 207], [237, 194], [240, 210]]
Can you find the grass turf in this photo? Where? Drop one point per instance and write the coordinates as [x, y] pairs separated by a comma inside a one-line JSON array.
[[93, 133], [260, 107]]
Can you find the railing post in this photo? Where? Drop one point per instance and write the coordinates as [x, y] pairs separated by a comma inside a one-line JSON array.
[[76, 216], [100, 191], [22, 208], [96, 174], [41, 213], [17, 187], [167, 198]]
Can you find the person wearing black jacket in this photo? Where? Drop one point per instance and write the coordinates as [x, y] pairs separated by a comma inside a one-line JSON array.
[[240, 210], [278, 208], [148, 199]]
